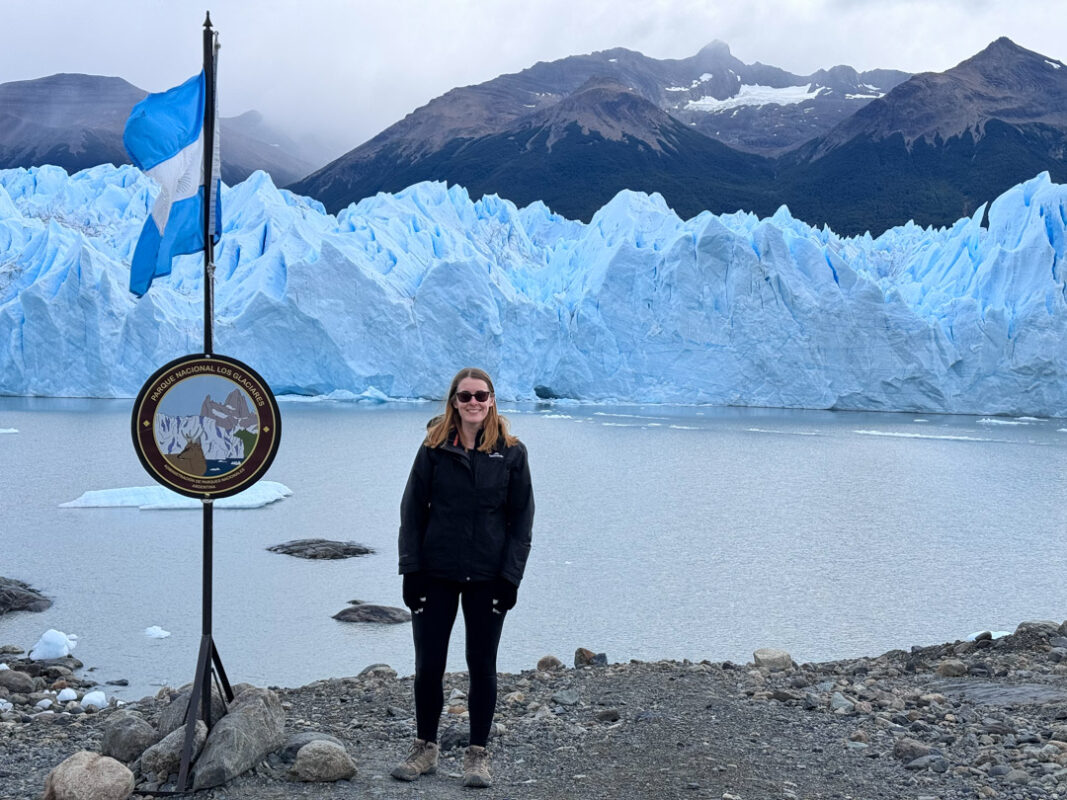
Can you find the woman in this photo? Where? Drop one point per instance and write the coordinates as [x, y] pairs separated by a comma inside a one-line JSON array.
[[465, 524]]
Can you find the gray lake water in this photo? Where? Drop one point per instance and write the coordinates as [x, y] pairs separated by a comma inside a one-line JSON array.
[[661, 532]]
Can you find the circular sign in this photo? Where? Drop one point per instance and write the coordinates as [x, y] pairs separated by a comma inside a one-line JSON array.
[[206, 426]]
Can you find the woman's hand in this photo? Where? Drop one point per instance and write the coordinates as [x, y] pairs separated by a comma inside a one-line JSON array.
[[415, 584], [505, 593]]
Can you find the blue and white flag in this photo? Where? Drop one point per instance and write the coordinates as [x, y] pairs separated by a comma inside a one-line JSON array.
[[165, 138]]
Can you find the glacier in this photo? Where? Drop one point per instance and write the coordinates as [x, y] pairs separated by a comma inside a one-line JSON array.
[[394, 294]]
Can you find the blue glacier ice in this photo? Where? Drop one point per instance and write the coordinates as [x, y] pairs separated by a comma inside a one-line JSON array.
[[396, 292]]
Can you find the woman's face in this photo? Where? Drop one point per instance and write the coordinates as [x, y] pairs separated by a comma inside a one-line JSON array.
[[474, 411]]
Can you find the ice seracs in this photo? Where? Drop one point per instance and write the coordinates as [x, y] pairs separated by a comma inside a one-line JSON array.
[[385, 300]]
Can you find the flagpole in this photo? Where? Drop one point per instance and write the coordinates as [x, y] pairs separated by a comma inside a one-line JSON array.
[[209, 669], [209, 181]]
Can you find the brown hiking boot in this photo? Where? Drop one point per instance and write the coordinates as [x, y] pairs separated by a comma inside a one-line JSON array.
[[476, 767], [421, 760]]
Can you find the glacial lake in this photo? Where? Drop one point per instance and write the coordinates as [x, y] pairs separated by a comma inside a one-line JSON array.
[[661, 532]]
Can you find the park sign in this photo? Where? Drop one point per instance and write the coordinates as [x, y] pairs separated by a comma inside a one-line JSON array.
[[206, 426]]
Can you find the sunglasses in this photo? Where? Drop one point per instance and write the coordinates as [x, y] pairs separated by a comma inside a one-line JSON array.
[[480, 396]]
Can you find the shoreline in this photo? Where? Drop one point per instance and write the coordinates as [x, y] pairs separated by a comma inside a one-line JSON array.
[[984, 718]]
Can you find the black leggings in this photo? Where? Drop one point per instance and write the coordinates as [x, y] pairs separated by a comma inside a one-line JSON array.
[[432, 627]]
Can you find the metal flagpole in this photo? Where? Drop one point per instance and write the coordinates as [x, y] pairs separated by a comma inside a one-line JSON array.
[[208, 657]]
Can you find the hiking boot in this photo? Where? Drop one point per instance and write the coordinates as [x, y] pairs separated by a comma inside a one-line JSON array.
[[421, 760], [476, 767]]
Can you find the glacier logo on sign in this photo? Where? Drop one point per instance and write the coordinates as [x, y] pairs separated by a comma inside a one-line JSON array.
[[206, 426]]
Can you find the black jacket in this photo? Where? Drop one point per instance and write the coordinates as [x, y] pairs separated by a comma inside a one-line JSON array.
[[467, 516]]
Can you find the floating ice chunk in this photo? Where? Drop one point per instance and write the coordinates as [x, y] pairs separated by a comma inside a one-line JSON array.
[[946, 437], [67, 695], [1020, 421], [9, 430], [156, 498], [53, 644], [156, 632], [3, 667], [94, 700]]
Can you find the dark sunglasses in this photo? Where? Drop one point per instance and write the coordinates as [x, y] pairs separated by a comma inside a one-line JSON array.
[[480, 396]]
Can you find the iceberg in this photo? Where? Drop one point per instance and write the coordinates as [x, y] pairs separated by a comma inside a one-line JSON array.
[[160, 498], [391, 296]]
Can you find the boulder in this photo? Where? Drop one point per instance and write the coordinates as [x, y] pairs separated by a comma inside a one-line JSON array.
[[251, 730], [549, 663], [382, 671], [774, 660], [173, 716], [951, 668], [367, 612], [16, 681], [587, 658], [18, 596], [165, 757], [126, 736], [322, 760], [320, 549], [296, 742], [88, 776]]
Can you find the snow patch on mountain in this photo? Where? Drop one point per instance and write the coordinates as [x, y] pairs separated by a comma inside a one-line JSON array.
[[756, 95]]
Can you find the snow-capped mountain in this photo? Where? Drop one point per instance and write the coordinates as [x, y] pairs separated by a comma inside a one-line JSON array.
[[391, 296], [855, 151], [486, 136]]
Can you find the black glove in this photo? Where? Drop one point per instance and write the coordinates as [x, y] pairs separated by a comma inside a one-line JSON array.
[[415, 584], [504, 594]]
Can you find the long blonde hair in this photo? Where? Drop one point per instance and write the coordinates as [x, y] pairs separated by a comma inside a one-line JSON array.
[[494, 428]]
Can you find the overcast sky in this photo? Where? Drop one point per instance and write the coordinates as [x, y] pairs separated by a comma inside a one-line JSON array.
[[346, 69]]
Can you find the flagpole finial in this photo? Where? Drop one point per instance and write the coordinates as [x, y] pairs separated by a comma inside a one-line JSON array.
[[207, 19]]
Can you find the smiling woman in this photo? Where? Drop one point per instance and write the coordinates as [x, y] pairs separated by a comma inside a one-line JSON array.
[[465, 524]]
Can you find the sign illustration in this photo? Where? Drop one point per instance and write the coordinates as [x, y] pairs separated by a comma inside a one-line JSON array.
[[206, 426]]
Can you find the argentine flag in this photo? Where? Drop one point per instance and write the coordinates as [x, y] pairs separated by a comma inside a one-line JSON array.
[[165, 138]]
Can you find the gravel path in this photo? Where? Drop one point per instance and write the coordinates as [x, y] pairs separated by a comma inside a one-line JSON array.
[[960, 720]]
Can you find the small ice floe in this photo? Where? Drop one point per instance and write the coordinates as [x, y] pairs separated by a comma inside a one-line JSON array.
[[945, 437], [156, 632], [920, 420], [53, 644], [783, 433], [9, 430], [67, 695], [994, 634], [160, 498], [3, 666], [997, 421], [94, 700]]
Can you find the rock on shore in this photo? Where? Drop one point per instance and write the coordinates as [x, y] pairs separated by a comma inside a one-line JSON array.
[[18, 596], [967, 719]]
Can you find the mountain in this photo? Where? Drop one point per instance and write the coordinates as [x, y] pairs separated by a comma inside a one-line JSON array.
[[756, 109], [603, 132], [637, 306], [938, 145], [76, 121], [855, 151]]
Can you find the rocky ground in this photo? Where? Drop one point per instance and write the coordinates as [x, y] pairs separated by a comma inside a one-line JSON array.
[[961, 720]]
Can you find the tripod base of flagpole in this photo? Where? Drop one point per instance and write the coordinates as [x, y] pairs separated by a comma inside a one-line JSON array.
[[209, 673]]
